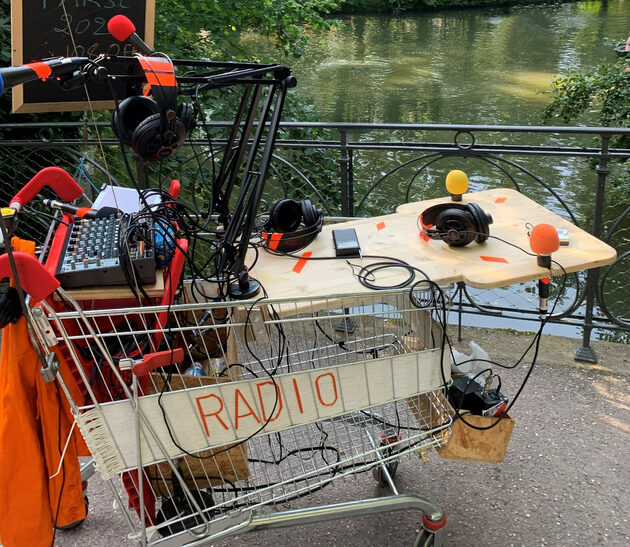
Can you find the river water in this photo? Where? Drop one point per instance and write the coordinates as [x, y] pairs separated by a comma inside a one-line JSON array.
[[477, 66], [473, 66]]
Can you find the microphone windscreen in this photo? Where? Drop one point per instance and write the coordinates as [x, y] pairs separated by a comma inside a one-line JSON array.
[[543, 239], [105, 212], [121, 27]]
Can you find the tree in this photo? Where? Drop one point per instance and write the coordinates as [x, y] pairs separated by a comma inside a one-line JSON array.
[[605, 93], [210, 27], [606, 89]]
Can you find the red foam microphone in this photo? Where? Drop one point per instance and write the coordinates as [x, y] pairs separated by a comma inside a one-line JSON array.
[[121, 28], [544, 240]]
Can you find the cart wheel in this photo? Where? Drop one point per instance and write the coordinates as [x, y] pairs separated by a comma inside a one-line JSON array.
[[424, 539], [78, 522], [379, 475]]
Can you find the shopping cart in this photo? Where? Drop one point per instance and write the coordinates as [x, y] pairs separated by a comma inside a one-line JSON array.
[[214, 417]]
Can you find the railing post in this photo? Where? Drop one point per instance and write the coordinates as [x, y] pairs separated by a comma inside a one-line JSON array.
[[141, 175], [346, 175], [585, 352]]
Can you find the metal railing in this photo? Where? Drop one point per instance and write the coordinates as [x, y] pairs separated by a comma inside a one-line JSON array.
[[364, 169]]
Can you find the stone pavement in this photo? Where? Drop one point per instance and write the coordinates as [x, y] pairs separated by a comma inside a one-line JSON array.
[[565, 479]]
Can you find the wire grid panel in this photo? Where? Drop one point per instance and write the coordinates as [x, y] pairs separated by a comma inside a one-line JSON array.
[[251, 403]]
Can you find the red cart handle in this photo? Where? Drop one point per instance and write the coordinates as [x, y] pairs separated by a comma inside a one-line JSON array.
[[151, 361], [55, 177], [34, 278]]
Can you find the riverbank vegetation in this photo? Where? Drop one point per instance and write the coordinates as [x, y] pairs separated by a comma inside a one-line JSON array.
[[393, 6], [604, 91]]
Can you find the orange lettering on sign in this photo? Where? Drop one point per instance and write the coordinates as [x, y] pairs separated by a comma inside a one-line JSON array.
[[297, 396], [205, 415], [239, 396], [278, 404], [334, 385]]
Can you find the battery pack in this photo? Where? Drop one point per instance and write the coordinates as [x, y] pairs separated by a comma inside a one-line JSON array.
[[467, 394]]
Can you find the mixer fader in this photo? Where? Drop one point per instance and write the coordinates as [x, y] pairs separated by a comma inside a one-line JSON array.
[[93, 253]]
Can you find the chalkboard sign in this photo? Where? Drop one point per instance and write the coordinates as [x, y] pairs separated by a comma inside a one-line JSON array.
[[71, 28]]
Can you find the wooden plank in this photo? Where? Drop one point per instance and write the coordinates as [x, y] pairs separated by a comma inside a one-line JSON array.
[[117, 292], [397, 235], [222, 414]]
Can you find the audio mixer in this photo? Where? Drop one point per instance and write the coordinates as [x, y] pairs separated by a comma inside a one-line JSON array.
[[92, 253]]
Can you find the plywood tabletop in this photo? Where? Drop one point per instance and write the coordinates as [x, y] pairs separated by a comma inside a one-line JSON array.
[[118, 292], [492, 264]]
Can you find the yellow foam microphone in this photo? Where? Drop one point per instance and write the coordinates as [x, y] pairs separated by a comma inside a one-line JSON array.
[[456, 184]]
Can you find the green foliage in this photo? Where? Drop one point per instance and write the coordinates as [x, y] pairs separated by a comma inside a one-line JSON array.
[[605, 93], [606, 90], [395, 6], [209, 27]]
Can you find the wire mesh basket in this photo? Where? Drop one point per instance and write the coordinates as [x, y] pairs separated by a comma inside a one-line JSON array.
[[207, 411]]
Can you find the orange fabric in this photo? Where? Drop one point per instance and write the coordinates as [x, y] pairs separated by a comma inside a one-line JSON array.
[[34, 425]]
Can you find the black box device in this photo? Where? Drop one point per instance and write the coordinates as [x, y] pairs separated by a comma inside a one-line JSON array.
[[346, 242]]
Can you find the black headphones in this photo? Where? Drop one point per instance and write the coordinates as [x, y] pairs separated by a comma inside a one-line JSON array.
[[154, 130], [281, 231], [456, 224]]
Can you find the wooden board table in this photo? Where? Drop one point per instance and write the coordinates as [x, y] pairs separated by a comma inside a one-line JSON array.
[[488, 265]]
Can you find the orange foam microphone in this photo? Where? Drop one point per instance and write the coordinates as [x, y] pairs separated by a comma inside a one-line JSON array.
[[544, 240]]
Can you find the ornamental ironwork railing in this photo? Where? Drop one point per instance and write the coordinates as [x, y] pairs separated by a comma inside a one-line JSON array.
[[351, 169]]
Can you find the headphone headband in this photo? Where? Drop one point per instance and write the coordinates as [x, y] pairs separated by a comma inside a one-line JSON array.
[[455, 223], [281, 232], [155, 127]]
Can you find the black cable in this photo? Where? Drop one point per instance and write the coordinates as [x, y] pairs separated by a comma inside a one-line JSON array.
[[535, 343]]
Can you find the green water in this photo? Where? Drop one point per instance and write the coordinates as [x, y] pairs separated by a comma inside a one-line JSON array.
[[477, 66]]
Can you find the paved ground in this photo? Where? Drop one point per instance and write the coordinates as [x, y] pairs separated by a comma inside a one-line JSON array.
[[564, 481]]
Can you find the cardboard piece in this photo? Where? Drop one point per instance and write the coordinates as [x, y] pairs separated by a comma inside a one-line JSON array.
[[466, 443], [210, 467]]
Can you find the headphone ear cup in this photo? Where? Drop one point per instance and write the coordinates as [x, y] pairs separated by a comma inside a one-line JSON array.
[[130, 114], [482, 220], [285, 216], [456, 227], [151, 144], [187, 116], [310, 213]]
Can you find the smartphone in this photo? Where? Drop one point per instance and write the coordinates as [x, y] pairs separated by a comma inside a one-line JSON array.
[[346, 242]]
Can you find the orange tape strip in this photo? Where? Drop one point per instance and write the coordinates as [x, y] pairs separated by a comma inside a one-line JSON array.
[[493, 259], [421, 234], [156, 64], [161, 79], [82, 211], [41, 69], [274, 240], [299, 265], [380, 226], [158, 71], [500, 200]]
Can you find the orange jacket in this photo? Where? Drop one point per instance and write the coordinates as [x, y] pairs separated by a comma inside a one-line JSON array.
[[35, 422]]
